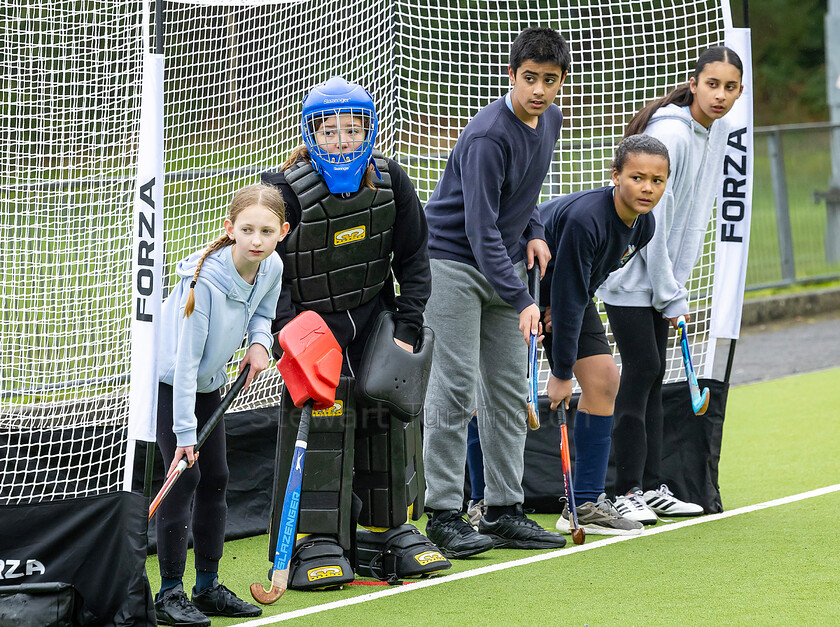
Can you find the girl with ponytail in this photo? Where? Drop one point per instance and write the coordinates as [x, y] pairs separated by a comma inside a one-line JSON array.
[[649, 292], [227, 291]]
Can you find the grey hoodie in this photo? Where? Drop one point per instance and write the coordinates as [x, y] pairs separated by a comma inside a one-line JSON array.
[[193, 351], [657, 276]]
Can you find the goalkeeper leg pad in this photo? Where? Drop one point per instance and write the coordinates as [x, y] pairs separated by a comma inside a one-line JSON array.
[[327, 490], [388, 469], [399, 553]]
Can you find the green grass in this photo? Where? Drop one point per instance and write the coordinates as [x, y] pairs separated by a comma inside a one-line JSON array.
[[773, 566]]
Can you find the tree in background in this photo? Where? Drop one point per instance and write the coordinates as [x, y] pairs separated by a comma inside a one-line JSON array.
[[788, 43]]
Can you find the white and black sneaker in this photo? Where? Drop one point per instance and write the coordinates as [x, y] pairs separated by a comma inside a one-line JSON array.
[[632, 505], [663, 502]]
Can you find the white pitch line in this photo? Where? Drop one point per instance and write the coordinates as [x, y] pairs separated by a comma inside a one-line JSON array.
[[436, 581]]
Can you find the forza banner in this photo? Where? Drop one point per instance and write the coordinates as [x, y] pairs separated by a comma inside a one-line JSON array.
[[148, 256], [734, 203]]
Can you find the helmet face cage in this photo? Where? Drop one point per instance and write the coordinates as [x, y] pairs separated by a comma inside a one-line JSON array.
[[339, 128], [339, 135]]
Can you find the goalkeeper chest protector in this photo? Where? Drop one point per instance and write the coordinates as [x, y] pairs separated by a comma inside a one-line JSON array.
[[338, 257]]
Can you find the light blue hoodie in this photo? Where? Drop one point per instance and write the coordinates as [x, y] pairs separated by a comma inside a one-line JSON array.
[[656, 277], [194, 350]]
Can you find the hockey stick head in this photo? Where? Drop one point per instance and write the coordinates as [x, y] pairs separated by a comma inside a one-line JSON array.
[[699, 400], [533, 417], [279, 583], [701, 407], [167, 486]]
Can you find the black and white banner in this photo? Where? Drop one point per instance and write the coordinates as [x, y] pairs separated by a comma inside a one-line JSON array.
[[148, 255], [734, 203]]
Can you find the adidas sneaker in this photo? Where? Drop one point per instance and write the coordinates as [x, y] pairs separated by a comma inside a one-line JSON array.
[[632, 505], [663, 502]]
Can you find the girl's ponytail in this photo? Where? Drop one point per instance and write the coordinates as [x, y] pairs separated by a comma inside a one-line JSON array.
[[220, 243], [681, 96]]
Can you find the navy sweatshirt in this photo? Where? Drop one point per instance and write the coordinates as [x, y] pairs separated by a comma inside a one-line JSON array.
[[486, 199], [587, 240]]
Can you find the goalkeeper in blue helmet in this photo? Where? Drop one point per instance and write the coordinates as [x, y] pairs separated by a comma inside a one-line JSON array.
[[339, 128], [356, 226]]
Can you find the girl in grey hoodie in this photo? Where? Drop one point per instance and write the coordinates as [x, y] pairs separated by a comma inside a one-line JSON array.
[[649, 292], [226, 291]]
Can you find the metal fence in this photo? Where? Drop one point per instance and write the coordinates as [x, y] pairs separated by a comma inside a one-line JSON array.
[[794, 214]]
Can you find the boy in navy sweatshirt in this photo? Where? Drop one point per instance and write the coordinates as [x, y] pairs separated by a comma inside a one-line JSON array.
[[591, 234], [480, 309]]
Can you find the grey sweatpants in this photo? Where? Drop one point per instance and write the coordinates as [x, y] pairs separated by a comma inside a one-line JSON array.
[[480, 363]]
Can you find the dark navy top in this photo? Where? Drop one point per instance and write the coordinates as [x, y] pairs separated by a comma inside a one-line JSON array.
[[486, 199], [587, 240]]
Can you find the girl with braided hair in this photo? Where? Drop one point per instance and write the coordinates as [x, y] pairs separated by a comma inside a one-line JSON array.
[[227, 290]]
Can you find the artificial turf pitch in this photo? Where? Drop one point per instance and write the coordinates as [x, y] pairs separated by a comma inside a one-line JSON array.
[[778, 565]]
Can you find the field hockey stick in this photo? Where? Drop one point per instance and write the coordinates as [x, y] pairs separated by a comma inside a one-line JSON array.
[[578, 534], [699, 400], [533, 365], [208, 427], [311, 370], [288, 518]]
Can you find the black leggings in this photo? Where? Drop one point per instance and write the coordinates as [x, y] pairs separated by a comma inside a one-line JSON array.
[[206, 481], [641, 334]]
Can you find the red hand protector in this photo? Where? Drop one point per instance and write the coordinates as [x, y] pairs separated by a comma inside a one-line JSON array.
[[311, 361]]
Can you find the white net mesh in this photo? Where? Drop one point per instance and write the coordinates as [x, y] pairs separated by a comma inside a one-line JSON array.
[[68, 132], [236, 74]]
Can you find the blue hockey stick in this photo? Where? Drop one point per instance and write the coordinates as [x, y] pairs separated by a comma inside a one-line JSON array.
[[533, 364], [288, 518], [699, 400]]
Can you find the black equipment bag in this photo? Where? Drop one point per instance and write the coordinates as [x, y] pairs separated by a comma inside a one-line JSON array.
[[691, 444], [50, 604], [96, 544]]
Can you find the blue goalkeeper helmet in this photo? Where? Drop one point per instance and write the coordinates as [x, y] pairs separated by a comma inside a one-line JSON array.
[[339, 127]]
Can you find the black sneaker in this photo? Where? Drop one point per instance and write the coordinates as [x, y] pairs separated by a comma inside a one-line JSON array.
[[217, 600], [454, 536], [516, 531], [172, 607]]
